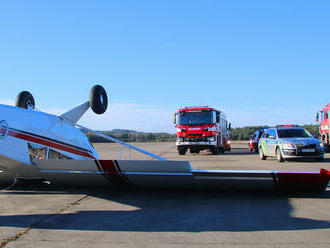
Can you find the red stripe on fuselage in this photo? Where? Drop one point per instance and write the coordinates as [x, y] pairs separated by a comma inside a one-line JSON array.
[[49, 143], [112, 172]]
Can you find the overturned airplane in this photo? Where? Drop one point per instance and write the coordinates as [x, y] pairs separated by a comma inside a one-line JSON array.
[[42, 146]]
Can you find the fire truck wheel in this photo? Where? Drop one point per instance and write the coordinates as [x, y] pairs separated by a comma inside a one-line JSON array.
[[221, 149], [327, 148], [182, 151], [24, 99], [261, 154], [98, 99], [215, 151], [319, 159], [279, 155]]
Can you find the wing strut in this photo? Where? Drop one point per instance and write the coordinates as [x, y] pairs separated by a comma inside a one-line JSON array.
[[129, 146]]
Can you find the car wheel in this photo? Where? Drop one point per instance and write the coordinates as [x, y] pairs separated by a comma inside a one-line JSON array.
[[279, 155], [261, 154]]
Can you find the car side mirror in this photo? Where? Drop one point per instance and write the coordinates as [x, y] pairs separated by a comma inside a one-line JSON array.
[[174, 118]]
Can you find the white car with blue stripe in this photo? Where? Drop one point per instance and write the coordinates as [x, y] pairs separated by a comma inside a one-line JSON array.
[[286, 142]]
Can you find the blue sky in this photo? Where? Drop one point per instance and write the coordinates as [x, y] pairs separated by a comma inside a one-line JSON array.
[[261, 62]]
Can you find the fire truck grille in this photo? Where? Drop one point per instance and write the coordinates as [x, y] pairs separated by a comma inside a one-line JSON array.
[[195, 134], [195, 139]]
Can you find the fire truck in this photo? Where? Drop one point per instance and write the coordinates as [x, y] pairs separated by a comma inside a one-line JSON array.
[[323, 117], [201, 128]]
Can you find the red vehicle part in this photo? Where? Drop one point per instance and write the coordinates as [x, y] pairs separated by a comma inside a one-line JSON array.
[[323, 118], [253, 143], [201, 128]]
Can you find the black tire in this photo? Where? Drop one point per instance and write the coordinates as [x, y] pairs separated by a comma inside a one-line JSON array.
[[182, 151], [221, 150], [24, 99], [98, 99], [319, 159], [279, 155], [326, 148], [261, 154], [215, 151]]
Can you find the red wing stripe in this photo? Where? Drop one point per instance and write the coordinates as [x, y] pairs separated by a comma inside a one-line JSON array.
[[303, 181], [112, 172], [49, 143]]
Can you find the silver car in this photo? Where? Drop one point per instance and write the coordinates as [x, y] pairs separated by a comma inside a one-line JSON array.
[[289, 142]]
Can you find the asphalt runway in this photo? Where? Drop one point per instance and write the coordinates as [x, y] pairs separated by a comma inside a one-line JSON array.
[[42, 216]]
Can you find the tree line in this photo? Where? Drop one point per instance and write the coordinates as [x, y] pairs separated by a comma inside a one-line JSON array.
[[239, 133], [245, 133]]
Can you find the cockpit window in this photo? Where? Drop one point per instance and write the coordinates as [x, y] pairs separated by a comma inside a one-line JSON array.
[[37, 151], [56, 155]]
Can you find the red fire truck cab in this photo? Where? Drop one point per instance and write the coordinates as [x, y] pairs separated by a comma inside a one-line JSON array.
[[201, 128], [323, 117]]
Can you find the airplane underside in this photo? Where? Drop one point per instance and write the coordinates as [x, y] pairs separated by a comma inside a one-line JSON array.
[[169, 174]]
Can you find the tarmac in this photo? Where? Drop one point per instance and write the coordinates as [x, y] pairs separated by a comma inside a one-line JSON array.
[[45, 216]]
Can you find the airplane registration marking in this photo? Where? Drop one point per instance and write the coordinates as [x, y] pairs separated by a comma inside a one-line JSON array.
[[49, 142]]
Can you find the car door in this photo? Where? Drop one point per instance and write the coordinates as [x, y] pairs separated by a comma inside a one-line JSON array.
[[263, 143], [271, 142]]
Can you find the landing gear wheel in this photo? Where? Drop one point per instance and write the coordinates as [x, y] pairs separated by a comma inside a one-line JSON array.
[[98, 99], [279, 155], [261, 154], [182, 151], [24, 100]]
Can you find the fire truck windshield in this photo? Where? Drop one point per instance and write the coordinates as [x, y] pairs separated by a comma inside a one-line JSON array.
[[195, 118]]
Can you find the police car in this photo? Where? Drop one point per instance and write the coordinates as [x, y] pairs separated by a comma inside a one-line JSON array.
[[289, 141]]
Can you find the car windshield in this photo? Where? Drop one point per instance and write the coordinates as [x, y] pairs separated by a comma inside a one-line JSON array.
[[195, 118], [293, 133]]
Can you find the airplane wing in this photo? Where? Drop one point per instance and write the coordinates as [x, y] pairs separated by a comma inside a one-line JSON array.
[[175, 174]]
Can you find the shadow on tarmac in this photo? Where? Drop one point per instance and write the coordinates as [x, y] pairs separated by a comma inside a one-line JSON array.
[[173, 211]]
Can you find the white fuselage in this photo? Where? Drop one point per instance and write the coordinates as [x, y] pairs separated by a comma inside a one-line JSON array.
[[23, 129]]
